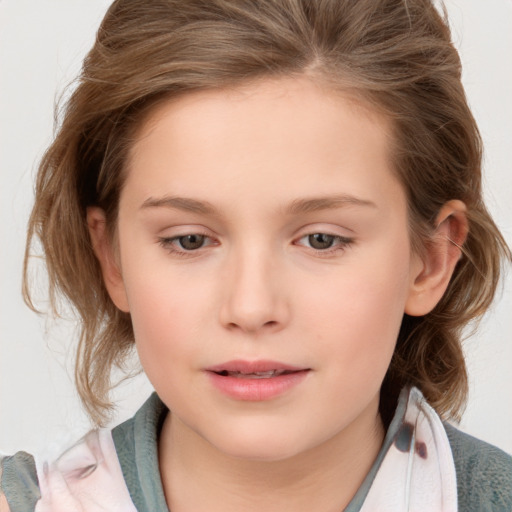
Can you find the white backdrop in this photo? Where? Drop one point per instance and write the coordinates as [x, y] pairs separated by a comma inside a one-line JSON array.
[[42, 44]]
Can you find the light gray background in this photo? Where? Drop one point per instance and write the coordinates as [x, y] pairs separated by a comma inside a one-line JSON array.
[[42, 44]]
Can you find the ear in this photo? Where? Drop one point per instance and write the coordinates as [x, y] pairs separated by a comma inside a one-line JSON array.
[[105, 252], [435, 268]]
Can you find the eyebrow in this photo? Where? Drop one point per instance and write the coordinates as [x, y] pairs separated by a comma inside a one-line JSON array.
[[314, 204], [297, 206], [180, 203]]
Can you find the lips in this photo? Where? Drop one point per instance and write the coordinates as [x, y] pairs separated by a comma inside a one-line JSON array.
[[255, 380], [254, 375], [248, 367]]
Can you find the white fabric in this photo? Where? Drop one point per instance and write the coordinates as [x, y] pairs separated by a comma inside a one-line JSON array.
[[417, 474], [422, 478], [85, 478]]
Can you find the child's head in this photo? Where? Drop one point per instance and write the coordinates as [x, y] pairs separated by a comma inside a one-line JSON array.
[[392, 59]]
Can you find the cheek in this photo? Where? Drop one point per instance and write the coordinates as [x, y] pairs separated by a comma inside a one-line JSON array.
[[166, 316], [356, 315]]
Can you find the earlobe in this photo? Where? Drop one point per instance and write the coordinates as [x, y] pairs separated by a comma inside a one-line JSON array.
[[435, 269], [102, 246]]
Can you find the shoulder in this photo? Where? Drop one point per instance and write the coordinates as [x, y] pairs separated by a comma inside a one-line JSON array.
[[86, 476], [484, 473], [122, 455], [136, 442], [19, 486]]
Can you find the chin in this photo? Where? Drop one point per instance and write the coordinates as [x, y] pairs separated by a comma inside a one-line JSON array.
[[256, 445]]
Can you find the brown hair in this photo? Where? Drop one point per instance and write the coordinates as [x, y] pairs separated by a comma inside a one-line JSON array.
[[395, 54]]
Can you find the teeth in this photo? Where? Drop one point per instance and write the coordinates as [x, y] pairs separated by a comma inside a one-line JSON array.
[[254, 375]]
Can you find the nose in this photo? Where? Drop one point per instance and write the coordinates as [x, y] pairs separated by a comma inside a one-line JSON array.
[[254, 298]]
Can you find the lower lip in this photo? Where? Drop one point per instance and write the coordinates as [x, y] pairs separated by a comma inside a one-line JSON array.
[[257, 390]]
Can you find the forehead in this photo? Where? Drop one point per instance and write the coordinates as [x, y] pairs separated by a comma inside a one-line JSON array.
[[303, 101], [286, 137]]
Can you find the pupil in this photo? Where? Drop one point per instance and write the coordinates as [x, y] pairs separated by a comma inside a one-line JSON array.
[[321, 240], [191, 242]]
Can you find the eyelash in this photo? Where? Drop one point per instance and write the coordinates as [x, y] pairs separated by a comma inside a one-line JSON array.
[[343, 243], [168, 244]]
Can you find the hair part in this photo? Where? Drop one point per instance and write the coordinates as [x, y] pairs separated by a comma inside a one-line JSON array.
[[395, 55]]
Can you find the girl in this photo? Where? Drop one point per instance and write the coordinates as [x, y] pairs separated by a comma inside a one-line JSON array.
[[279, 204]]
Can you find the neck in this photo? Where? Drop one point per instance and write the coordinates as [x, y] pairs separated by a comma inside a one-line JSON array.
[[196, 476]]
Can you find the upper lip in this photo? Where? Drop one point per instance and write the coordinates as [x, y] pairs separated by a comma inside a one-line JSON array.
[[248, 367]]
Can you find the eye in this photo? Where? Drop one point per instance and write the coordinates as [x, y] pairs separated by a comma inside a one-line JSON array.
[[185, 245], [325, 243], [191, 242], [321, 240]]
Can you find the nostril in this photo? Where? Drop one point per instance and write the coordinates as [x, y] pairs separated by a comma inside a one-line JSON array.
[[254, 326], [252, 313]]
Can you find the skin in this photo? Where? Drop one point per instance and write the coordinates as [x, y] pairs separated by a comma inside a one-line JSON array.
[[258, 289]]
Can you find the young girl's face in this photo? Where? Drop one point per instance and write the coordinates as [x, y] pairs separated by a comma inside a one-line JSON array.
[[265, 260]]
